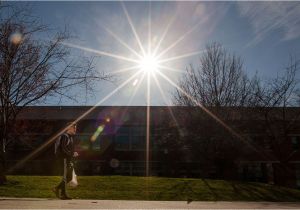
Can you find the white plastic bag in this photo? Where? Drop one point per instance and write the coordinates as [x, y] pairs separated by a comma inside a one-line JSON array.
[[73, 183]]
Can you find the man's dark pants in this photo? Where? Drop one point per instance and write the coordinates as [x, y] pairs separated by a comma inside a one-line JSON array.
[[66, 171]]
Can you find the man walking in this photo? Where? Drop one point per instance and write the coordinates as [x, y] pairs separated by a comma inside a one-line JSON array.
[[64, 151]]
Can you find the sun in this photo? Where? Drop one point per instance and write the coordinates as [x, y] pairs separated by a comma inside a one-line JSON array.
[[148, 63]]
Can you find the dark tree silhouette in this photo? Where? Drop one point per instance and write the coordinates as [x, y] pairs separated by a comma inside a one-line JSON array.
[[221, 85], [220, 80], [35, 66], [278, 102]]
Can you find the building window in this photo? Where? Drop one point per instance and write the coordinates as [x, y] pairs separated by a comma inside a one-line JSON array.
[[254, 172], [138, 131], [262, 141], [138, 142], [85, 142], [268, 144], [295, 142], [256, 140], [122, 142], [123, 130], [96, 143]]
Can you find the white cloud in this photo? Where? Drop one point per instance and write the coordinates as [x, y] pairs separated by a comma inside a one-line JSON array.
[[268, 17]]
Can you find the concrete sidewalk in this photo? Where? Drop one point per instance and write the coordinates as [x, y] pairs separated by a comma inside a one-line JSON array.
[[36, 203]]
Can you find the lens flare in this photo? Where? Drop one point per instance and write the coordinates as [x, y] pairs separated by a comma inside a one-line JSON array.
[[16, 38], [114, 163], [97, 133], [135, 82], [146, 63], [56, 135]]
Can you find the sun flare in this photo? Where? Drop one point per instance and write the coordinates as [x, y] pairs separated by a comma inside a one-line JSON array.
[[149, 64]]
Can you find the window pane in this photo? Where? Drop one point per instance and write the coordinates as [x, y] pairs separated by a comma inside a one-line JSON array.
[[84, 142], [122, 142], [138, 142], [122, 130], [295, 142]]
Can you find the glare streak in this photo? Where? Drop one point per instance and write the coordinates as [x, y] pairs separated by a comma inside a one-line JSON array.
[[172, 69], [149, 29], [132, 28], [132, 96], [165, 99], [177, 41], [100, 52], [125, 70], [181, 56], [148, 126], [164, 35], [160, 90], [51, 140], [122, 42], [136, 89]]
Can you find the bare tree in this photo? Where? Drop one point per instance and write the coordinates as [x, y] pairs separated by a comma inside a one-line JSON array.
[[219, 81], [219, 84], [33, 69], [278, 103]]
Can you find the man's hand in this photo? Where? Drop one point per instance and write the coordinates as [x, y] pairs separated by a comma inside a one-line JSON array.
[[75, 154]]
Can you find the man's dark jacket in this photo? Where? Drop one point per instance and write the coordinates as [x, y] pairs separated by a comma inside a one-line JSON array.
[[64, 147]]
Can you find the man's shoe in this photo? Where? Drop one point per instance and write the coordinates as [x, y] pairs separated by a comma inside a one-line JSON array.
[[56, 192], [65, 197]]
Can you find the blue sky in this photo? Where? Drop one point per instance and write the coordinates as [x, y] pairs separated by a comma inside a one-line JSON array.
[[264, 34]]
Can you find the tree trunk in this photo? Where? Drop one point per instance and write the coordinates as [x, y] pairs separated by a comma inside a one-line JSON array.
[[3, 135], [2, 164]]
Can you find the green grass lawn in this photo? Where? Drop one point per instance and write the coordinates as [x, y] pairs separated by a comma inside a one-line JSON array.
[[152, 188]]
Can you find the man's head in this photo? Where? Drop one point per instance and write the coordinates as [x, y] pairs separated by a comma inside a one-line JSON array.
[[71, 128]]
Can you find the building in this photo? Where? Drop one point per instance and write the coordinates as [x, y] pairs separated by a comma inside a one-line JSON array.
[[184, 142]]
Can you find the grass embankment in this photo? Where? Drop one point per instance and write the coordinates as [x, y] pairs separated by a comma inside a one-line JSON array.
[[152, 188]]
